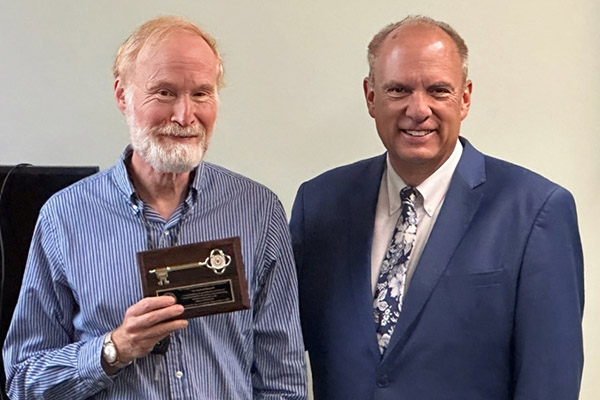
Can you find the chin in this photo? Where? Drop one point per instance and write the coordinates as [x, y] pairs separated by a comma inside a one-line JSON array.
[[415, 156], [173, 159]]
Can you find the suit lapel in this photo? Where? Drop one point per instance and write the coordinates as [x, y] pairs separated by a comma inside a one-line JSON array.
[[459, 206], [361, 218]]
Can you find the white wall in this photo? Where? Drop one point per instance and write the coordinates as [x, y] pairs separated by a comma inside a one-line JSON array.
[[293, 105]]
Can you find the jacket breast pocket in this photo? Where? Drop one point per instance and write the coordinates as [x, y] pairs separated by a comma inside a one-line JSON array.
[[482, 278], [471, 301]]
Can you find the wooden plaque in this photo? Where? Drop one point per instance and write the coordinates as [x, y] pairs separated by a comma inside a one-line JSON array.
[[206, 277]]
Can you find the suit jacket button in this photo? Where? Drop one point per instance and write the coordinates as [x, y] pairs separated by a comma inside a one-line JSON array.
[[383, 381]]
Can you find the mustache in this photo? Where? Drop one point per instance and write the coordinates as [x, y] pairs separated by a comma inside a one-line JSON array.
[[174, 129]]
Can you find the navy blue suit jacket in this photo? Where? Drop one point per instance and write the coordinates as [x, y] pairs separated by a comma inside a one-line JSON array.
[[493, 311]]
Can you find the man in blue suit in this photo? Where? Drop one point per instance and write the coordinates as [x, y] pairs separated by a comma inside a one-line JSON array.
[[471, 287]]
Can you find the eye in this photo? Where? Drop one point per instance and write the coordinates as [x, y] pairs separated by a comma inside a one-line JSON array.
[[164, 94], [440, 91], [397, 92], [203, 95]]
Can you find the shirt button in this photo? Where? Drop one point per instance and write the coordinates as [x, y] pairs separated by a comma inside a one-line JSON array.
[[179, 374], [166, 233], [383, 381]]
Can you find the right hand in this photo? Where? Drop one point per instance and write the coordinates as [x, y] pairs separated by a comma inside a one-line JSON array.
[[145, 324]]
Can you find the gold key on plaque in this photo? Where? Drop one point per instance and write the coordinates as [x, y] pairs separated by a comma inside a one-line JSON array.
[[217, 261]]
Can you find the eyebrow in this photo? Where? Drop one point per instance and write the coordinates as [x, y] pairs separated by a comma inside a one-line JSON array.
[[452, 86], [394, 84], [206, 87], [442, 84], [153, 86]]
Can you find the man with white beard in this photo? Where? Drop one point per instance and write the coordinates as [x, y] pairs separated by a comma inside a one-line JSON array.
[[82, 328]]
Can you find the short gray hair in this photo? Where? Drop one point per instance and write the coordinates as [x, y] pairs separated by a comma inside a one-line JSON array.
[[379, 38]]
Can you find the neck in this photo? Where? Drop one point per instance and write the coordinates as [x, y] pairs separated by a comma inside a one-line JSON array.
[[161, 191], [415, 174], [412, 178]]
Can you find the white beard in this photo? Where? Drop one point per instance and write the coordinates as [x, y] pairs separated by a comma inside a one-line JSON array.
[[173, 157]]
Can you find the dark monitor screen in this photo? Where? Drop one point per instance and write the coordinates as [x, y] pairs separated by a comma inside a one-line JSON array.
[[24, 190]]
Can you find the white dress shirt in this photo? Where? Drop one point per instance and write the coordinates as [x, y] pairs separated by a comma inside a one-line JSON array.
[[432, 192]]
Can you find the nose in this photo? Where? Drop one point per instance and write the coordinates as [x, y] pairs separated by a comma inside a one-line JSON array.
[[183, 111], [418, 108]]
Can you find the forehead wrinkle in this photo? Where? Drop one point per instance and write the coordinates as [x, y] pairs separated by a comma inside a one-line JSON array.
[[166, 66], [435, 60], [172, 72], [168, 53], [424, 37]]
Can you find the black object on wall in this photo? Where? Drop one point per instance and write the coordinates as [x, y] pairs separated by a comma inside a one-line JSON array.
[[23, 191]]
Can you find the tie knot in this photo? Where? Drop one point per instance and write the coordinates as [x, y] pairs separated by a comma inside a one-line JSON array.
[[409, 194]]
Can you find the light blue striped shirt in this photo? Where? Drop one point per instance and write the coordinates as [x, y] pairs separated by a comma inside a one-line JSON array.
[[82, 275]]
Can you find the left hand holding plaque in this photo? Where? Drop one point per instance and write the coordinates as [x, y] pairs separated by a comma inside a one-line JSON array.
[[205, 278]]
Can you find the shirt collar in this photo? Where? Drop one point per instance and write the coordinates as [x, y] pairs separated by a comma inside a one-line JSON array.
[[121, 176], [121, 179], [432, 190]]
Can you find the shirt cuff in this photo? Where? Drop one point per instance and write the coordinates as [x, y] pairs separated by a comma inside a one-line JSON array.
[[90, 365]]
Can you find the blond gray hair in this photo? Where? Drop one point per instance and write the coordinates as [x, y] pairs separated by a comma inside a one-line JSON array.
[[153, 31]]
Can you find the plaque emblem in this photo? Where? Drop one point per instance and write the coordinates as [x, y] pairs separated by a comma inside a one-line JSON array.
[[218, 261]]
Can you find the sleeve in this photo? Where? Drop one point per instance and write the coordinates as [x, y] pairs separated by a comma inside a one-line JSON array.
[[548, 345], [42, 359], [279, 370], [297, 227], [298, 239]]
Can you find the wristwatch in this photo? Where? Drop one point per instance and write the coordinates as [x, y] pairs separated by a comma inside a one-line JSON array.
[[109, 353]]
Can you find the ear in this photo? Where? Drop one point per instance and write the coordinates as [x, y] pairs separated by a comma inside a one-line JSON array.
[[369, 95], [120, 95], [466, 100]]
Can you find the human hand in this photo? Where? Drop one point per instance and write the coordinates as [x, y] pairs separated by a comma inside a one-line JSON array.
[[145, 324]]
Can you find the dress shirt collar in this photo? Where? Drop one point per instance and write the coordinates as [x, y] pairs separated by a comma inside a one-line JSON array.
[[432, 190], [123, 182]]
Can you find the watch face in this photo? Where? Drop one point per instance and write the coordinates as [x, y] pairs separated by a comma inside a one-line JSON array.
[[110, 353]]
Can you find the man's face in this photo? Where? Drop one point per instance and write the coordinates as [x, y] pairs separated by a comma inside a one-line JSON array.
[[170, 100], [418, 98]]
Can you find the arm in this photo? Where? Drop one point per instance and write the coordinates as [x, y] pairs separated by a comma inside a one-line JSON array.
[[297, 227], [44, 354], [548, 348], [42, 358], [279, 371]]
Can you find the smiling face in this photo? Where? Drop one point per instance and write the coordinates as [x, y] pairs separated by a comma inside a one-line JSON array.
[[171, 101], [418, 98]]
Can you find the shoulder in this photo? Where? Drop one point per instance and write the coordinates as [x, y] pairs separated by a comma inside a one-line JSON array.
[[256, 210], [80, 193], [232, 184], [348, 175], [510, 189], [333, 193], [508, 177], [503, 179]]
